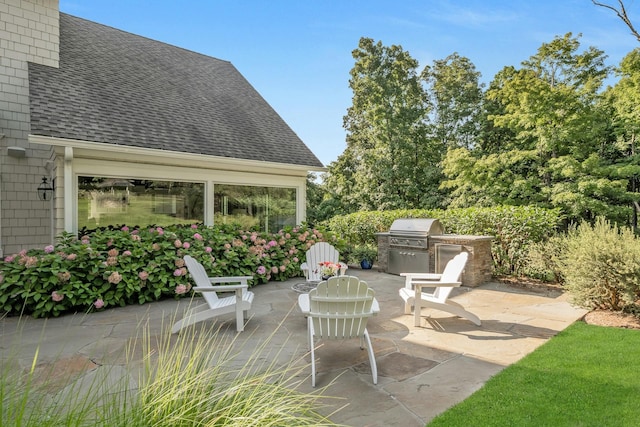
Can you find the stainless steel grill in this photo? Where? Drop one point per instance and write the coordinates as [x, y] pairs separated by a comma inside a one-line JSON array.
[[409, 244]]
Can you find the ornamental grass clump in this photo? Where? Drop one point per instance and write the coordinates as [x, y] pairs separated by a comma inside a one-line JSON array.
[[601, 266], [205, 378], [201, 377]]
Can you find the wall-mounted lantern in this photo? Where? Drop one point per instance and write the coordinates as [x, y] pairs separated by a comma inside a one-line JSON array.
[[45, 190]]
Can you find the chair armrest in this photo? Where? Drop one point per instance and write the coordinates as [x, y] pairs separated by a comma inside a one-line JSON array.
[[232, 279], [221, 288], [422, 276], [420, 285], [413, 278]]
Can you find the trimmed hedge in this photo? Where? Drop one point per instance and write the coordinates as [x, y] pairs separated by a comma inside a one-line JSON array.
[[513, 227]]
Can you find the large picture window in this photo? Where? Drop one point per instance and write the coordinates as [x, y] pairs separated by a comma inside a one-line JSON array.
[[115, 201], [255, 208]]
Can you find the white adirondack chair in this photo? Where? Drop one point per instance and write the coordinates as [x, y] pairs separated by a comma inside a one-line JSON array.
[[438, 299], [320, 252], [215, 306], [339, 309]]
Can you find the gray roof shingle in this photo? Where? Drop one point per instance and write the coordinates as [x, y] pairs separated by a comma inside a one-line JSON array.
[[115, 87]]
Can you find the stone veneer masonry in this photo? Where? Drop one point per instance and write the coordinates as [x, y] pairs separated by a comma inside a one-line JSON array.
[[29, 32], [478, 268]]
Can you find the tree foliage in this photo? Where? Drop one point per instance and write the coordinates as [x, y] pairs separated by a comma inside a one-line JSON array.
[[544, 134], [456, 95], [552, 108], [387, 162]]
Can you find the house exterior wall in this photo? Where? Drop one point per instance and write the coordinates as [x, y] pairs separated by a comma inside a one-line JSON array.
[[102, 160], [29, 32]]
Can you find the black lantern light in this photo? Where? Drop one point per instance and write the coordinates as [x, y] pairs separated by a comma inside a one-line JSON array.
[[45, 190]]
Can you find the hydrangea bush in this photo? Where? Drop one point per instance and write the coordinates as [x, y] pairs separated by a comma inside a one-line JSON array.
[[120, 266]]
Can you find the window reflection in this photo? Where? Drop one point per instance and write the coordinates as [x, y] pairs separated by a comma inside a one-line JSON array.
[[114, 201], [255, 208]]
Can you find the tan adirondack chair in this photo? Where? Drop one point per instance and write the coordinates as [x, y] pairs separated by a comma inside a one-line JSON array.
[[214, 306], [438, 299], [339, 309], [320, 252]]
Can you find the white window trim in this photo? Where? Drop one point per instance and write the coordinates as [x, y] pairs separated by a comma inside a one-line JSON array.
[[74, 167]]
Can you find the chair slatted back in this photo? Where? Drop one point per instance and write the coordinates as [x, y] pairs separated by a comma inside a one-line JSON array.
[[340, 307], [200, 277], [320, 252], [451, 274]]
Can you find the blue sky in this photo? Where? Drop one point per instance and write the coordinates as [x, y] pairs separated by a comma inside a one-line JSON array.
[[297, 54]]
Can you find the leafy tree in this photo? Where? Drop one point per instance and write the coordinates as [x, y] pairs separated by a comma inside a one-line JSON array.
[[551, 109], [456, 96], [624, 99], [389, 162]]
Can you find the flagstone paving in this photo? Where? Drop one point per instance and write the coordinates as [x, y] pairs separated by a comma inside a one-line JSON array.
[[422, 370]]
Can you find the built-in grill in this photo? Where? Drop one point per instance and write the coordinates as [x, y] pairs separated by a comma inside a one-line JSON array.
[[409, 244]]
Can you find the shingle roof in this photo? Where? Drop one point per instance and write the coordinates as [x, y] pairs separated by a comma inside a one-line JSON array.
[[115, 87]]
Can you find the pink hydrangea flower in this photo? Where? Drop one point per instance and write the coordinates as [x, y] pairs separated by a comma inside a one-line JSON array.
[[177, 272], [160, 231], [99, 303], [197, 236], [48, 249], [113, 253], [9, 258], [227, 246], [72, 257], [126, 253], [194, 226], [56, 296], [186, 245], [155, 246], [85, 241], [23, 252], [143, 275], [134, 232], [124, 228], [181, 289], [261, 270], [274, 269], [115, 278], [282, 268], [208, 249], [136, 238], [272, 243], [177, 243], [295, 259]]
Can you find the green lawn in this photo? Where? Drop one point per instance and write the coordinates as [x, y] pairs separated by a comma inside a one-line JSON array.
[[585, 376]]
